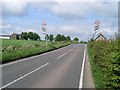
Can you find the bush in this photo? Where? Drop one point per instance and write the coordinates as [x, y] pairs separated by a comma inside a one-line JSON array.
[[106, 56]]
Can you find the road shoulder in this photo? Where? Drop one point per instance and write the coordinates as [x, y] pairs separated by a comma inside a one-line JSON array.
[[87, 77]]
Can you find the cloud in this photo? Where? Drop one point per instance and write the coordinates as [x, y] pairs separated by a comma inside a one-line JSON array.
[[76, 30], [77, 18], [14, 8], [74, 10], [81, 30], [65, 10], [9, 29]]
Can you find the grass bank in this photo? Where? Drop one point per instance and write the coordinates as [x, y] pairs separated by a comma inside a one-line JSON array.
[[105, 63], [17, 49]]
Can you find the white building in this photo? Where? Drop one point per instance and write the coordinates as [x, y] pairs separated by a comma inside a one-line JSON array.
[[4, 36]]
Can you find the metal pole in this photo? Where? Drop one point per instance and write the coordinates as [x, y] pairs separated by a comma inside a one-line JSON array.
[[44, 30], [46, 38], [93, 35], [97, 23]]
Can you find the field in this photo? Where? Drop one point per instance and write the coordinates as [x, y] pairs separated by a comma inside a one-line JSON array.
[[105, 63], [17, 49]]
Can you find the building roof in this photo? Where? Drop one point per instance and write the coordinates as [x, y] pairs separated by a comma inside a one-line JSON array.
[[100, 35], [5, 35]]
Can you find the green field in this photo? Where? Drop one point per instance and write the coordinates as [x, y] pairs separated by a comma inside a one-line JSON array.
[[17, 49]]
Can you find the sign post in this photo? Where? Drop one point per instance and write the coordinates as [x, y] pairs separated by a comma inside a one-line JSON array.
[[44, 30], [96, 28], [97, 24]]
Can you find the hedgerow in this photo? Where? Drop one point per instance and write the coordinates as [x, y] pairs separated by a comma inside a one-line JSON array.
[[105, 62]]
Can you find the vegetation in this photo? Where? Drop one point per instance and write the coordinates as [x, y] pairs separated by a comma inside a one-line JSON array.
[[76, 39], [68, 38], [105, 63], [17, 49], [29, 35], [60, 37], [83, 42], [31, 45], [51, 37]]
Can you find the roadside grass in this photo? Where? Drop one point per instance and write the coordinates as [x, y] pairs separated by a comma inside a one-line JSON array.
[[96, 71], [18, 49]]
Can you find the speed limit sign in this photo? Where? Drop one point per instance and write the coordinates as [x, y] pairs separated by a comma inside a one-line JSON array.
[[97, 24], [44, 26]]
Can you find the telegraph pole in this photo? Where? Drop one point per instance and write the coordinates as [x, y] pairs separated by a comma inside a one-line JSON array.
[[44, 30]]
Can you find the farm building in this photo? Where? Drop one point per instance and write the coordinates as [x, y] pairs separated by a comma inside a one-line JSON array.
[[15, 36], [100, 37], [4, 36], [12, 36]]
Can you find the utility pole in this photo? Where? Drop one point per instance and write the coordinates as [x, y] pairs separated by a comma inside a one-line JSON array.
[[44, 30]]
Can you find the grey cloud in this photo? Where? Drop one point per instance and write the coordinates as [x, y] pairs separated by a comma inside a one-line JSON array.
[[14, 8], [75, 10]]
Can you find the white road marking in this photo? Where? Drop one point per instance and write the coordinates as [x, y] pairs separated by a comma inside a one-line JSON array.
[[72, 48], [13, 62], [82, 70], [24, 76], [61, 55]]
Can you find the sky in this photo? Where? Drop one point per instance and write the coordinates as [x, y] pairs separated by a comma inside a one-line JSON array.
[[75, 18]]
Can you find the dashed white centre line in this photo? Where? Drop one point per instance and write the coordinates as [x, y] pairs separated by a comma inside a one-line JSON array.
[[72, 49], [61, 55], [24, 76]]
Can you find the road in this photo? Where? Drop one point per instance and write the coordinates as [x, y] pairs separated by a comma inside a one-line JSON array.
[[56, 69]]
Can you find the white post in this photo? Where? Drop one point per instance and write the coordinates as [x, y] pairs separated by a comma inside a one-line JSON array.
[[46, 38], [96, 28], [44, 30]]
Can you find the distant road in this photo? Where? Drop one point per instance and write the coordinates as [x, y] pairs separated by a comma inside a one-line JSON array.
[[57, 69]]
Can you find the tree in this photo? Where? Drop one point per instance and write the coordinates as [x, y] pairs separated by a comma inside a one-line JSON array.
[[63, 38], [36, 36], [68, 38], [30, 35], [58, 37], [47, 36], [76, 39], [24, 36], [83, 42], [51, 37]]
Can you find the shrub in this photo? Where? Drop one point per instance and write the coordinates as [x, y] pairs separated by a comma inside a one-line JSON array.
[[106, 56]]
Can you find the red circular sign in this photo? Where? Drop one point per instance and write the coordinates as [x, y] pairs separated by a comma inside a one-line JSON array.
[[43, 23], [97, 23]]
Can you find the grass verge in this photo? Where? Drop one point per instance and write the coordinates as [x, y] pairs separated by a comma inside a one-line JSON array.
[[96, 71], [18, 49]]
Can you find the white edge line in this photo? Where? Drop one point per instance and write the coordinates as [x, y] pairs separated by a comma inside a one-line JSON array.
[[61, 55], [82, 70], [24, 76], [30, 57]]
